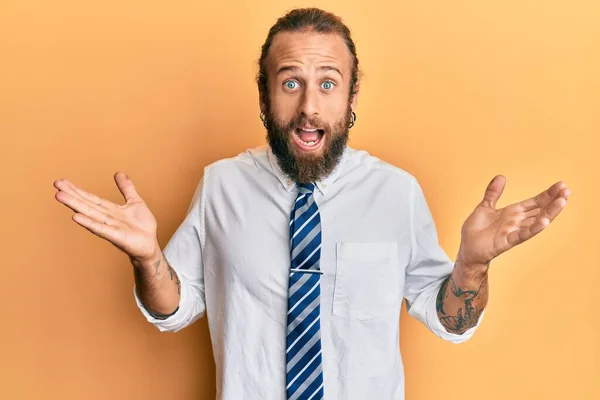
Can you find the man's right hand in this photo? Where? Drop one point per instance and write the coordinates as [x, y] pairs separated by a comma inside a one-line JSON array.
[[131, 227]]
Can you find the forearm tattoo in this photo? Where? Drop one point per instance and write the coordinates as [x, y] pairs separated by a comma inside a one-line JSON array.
[[156, 265], [472, 301], [173, 275]]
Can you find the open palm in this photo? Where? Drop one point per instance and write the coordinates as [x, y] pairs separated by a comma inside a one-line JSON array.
[[489, 232], [131, 227]]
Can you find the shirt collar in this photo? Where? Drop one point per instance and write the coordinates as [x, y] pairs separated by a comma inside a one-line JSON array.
[[323, 184]]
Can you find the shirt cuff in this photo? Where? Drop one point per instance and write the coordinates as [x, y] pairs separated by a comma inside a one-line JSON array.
[[169, 324], [435, 325]]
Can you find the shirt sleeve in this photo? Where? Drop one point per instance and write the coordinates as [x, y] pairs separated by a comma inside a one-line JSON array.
[[428, 268], [184, 253]]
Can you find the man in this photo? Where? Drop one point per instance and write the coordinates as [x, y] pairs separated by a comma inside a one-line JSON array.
[[301, 252]]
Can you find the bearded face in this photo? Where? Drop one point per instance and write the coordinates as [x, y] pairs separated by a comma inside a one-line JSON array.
[[308, 107], [307, 149]]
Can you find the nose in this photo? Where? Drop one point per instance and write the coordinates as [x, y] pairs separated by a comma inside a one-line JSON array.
[[309, 102]]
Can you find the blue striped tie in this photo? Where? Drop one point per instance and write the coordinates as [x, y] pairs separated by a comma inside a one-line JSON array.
[[304, 372]]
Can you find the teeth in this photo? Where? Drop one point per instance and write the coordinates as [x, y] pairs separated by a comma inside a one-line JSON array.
[[311, 143]]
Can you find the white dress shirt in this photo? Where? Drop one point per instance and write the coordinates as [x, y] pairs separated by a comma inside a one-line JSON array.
[[232, 255]]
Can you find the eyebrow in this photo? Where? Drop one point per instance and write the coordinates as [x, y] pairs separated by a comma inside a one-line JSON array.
[[293, 68]]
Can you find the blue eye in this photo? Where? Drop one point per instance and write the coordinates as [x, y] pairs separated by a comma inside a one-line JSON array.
[[290, 84], [327, 85]]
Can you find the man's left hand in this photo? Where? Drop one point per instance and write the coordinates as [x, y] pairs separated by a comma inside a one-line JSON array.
[[489, 232]]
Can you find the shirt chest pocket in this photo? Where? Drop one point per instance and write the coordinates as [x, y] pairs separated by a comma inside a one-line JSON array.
[[368, 280]]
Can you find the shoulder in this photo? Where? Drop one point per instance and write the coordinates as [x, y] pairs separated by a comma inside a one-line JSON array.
[[364, 165], [249, 161]]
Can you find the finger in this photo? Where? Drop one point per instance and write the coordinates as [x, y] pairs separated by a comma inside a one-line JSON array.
[[543, 198], [126, 187], [105, 231], [526, 223], [550, 212], [494, 191], [66, 186], [527, 230], [538, 219], [555, 208], [92, 197], [81, 206], [70, 188], [532, 213]]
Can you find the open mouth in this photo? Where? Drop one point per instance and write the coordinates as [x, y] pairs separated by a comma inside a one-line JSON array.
[[308, 138]]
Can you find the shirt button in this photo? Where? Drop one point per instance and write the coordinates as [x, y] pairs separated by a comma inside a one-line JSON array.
[[289, 182], [324, 186]]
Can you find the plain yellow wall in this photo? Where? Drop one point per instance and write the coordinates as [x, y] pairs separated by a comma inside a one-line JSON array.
[[454, 92]]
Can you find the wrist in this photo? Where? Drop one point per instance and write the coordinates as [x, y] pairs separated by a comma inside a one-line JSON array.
[[147, 263], [469, 272]]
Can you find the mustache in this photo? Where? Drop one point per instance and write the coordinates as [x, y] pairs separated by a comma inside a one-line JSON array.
[[303, 120]]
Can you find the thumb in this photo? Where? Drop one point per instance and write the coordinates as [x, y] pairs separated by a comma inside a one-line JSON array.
[[126, 187], [493, 191]]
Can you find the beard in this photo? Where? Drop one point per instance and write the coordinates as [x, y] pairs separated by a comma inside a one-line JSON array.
[[305, 167]]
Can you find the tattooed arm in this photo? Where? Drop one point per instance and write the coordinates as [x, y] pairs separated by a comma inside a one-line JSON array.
[[157, 286], [463, 297]]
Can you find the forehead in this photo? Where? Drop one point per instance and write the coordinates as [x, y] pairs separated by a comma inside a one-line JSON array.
[[308, 48]]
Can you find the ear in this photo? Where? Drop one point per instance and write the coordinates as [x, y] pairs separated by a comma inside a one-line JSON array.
[[261, 102], [354, 98]]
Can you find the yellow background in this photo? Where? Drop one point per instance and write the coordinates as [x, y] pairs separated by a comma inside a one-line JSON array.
[[454, 92]]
